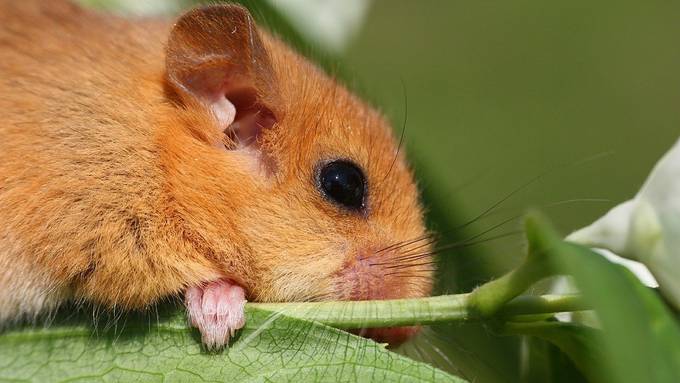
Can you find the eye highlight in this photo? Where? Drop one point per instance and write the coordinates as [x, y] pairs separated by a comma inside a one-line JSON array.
[[342, 182]]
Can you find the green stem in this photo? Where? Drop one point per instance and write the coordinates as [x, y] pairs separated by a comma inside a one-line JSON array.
[[544, 304], [385, 313], [406, 312], [497, 299], [487, 299], [491, 297]]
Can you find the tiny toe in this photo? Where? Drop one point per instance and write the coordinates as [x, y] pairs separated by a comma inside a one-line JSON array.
[[217, 310], [209, 304], [193, 298]]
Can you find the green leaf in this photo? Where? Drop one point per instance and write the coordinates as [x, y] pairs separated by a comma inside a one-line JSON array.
[[640, 338], [272, 347], [581, 343], [543, 362]]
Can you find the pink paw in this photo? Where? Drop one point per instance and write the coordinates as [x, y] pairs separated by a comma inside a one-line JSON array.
[[217, 310]]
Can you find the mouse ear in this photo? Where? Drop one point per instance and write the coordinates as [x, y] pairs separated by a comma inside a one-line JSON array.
[[215, 56]]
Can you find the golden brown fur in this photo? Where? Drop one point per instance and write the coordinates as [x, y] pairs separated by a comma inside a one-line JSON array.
[[112, 191]]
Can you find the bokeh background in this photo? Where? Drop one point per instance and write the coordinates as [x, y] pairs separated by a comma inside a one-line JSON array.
[[560, 106]]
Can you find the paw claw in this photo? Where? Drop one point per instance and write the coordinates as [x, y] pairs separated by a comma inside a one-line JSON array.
[[217, 310]]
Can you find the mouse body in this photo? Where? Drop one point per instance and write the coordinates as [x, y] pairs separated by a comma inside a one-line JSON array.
[[146, 159]]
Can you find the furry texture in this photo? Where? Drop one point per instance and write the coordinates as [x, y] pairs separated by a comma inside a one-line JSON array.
[[217, 310], [113, 190]]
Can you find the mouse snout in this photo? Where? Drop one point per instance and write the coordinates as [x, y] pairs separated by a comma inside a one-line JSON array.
[[387, 274]]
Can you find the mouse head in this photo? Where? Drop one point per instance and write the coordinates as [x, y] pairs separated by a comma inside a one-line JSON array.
[[293, 187]]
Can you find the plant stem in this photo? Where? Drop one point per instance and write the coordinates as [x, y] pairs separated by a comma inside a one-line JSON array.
[[385, 313], [406, 312], [544, 304], [497, 299], [489, 298]]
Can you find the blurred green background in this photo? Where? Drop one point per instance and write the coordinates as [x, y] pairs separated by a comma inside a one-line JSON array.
[[502, 91], [499, 92], [584, 93]]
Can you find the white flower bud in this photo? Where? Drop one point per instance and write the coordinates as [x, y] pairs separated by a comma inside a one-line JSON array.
[[647, 227]]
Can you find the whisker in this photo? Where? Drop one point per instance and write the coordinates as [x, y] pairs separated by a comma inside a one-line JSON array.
[[593, 157], [498, 203], [492, 228], [499, 236], [487, 212], [457, 245], [553, 204], [427, 333], [398, 245], [409, 265], [568, 201], [403, 130], [424, 357], [402, 275], [414, 250], [418, 247], [527, 184]]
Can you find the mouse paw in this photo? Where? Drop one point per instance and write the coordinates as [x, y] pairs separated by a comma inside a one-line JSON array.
[[217, 310]]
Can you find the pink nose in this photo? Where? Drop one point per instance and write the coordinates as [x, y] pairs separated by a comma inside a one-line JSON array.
[[394, 336]]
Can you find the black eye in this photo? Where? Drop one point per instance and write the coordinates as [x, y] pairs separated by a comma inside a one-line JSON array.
[[343, 182]]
